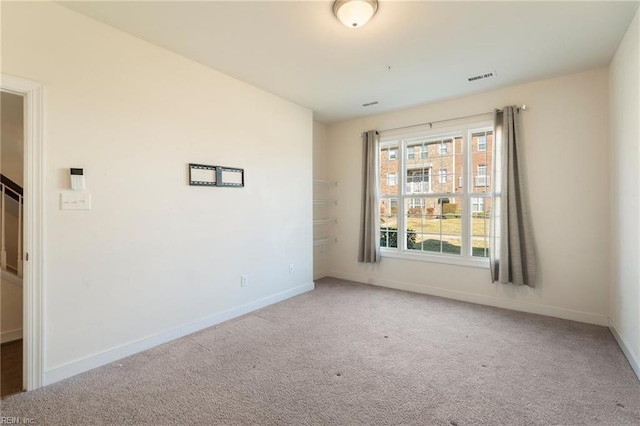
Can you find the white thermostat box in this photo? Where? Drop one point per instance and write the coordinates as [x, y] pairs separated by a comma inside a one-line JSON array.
[[77, 178]]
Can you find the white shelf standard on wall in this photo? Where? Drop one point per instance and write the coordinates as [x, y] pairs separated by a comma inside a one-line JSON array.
[[323, 215]]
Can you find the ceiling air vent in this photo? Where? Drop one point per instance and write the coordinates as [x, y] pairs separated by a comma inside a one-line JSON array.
[[482, 76], [370, 103]]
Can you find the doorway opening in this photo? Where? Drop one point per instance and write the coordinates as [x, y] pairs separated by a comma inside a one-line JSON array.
[[21, 255]]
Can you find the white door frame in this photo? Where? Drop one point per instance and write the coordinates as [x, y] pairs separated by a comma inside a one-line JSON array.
[[33, 308]]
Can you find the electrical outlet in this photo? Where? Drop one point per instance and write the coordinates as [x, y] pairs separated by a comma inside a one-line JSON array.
[[291, 268], [244, 281]]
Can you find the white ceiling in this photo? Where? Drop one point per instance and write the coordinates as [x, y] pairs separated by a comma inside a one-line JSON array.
[[410, 53]]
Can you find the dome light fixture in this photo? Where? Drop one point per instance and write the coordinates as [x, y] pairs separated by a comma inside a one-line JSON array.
[[355, 13]]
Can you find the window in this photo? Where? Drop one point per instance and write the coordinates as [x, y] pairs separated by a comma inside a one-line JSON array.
[[393, 154], [481, 175], [416, 152], [419, 180], [442, 176], [477, 205], [481, 143], [417, 203], [444, 219], [443, 148]]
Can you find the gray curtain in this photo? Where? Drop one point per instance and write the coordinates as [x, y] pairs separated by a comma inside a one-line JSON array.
[[511, 250], [369, 247]]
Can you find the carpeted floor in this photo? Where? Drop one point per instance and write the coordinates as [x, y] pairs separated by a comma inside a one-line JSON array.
[[351, 354]]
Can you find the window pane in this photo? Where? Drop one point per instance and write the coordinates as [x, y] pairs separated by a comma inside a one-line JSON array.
[[389, 169], [418, 177], [480, 208], [434, 165], [481, 158], [448, 245], [434, 224], [411, 151], [389, 222], [419, 180]]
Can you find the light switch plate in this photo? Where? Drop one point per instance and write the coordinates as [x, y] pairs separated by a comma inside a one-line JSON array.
[[75, 201]]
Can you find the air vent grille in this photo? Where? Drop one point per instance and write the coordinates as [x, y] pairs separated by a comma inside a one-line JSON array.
[[370, 103]]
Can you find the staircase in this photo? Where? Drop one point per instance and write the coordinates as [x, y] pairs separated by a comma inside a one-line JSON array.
[[11, 218]]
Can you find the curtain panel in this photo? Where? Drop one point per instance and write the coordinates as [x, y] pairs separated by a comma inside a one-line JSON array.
[[511, 250], [369, 244]]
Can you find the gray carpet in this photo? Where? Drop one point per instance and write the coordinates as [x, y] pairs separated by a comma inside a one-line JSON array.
[[351, 354]]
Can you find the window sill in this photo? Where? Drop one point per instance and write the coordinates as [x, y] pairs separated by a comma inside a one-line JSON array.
[[482, 263]]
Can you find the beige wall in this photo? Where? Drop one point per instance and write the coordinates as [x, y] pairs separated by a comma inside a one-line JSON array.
[[625, 189], [155, 255], [565, 131], [10, 308]]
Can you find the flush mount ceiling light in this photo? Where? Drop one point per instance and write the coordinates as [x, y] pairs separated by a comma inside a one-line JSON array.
[[355, 13]]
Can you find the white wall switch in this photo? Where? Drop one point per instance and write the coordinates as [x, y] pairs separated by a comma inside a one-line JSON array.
[[75, 201]]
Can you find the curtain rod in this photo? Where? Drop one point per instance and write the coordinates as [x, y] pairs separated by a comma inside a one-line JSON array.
[[430, 123]]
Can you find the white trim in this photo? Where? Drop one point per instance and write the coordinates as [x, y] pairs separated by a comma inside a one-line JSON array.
[[10, 336], [33, 353], [633, 358], [11, 278], [414, 255], [111, 355], [513, 305]]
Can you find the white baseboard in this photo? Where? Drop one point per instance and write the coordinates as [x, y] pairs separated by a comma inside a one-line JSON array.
[[111, 355], [632, 357], [10, 336], [513, 305]]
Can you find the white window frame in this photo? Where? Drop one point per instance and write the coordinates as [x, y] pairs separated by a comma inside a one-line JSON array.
[[393, 153], [466, 130], [392, 179]]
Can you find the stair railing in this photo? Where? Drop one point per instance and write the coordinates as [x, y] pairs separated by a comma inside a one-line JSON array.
[[12, 190]]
